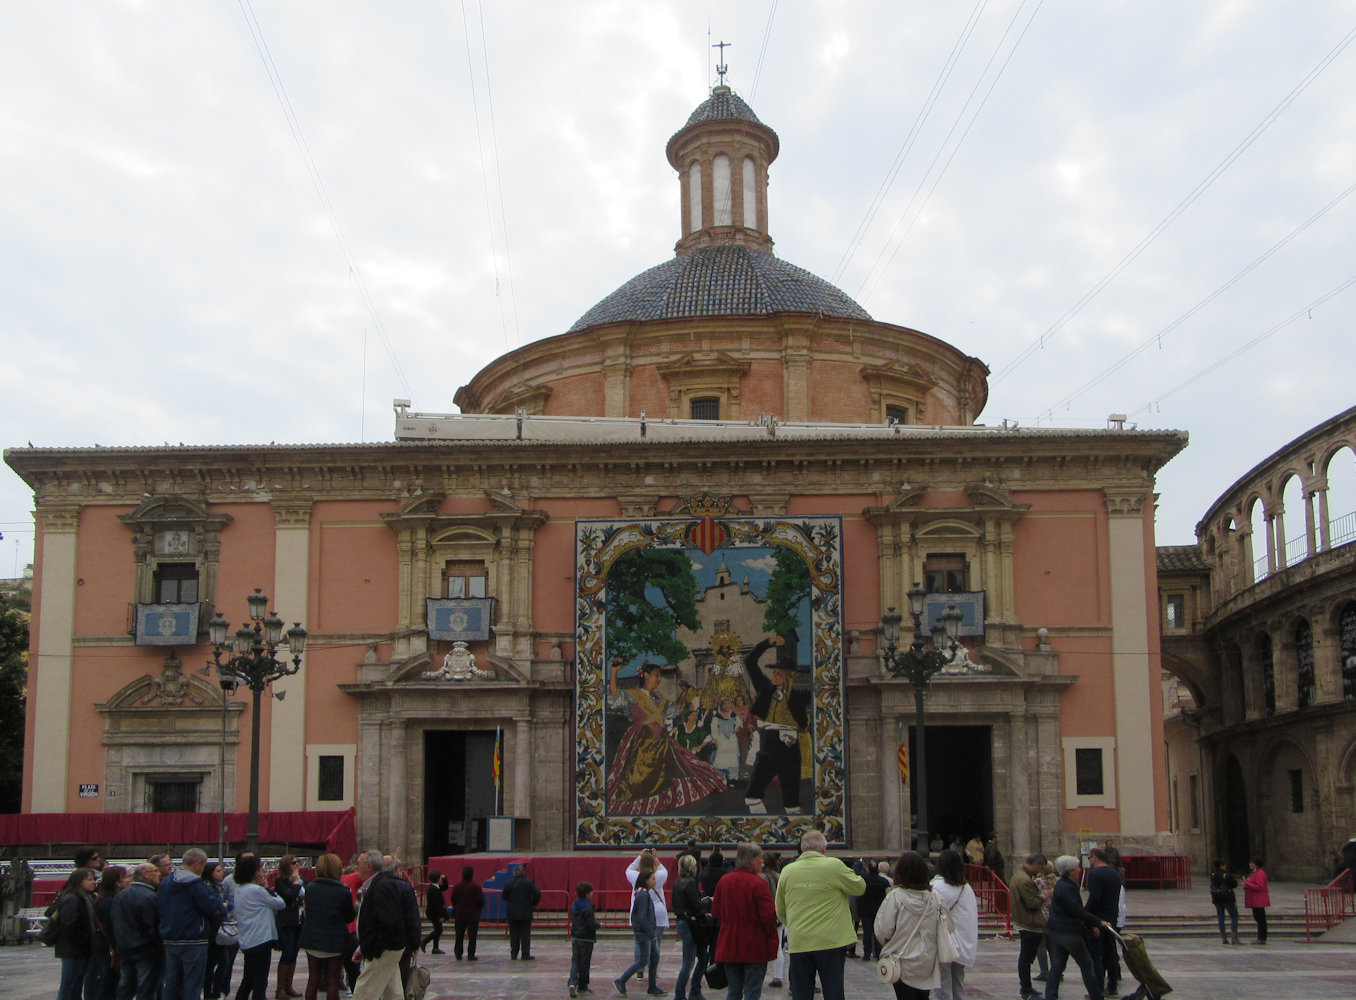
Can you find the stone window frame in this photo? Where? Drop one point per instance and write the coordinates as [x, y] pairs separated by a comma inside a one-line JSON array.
[[693, 377], [897, 385], [1107, 746], [314, 751], [152, 524]]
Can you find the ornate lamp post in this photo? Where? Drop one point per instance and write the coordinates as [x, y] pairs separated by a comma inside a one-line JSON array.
[[250, 658], [917, 664]]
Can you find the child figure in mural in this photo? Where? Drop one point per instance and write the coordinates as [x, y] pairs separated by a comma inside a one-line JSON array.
[[783, 715], [725, 733], [652, 772], [692, 736]]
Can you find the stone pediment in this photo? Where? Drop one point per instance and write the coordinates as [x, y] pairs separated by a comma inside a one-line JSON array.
[[171, 689], [984, 495], [425, 503], [908, 496]]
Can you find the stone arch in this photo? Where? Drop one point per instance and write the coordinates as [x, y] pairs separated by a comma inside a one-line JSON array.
[[1256, 539], [1289, 516], [1339, 474], [1287, 795]]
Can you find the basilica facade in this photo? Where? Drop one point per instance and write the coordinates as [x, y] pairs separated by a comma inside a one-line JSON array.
[[632, 591]]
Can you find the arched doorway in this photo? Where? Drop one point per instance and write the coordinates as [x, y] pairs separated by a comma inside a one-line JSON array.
[[1234, 825]]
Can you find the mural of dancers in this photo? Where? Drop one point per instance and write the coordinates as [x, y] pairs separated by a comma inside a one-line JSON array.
[[652, 772]]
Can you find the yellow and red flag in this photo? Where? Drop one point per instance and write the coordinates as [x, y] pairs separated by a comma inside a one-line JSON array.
[[498, 761], [903, 762]]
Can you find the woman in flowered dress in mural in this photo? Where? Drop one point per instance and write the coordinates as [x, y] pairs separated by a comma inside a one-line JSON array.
[[652, 773]]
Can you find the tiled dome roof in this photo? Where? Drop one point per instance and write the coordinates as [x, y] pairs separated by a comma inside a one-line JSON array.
[[721, 281], [723, 105]]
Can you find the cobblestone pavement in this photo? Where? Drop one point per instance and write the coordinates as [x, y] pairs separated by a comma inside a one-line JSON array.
[[1195, 968]]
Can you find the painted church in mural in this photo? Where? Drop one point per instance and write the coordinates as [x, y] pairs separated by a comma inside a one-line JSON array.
[[651, 555]]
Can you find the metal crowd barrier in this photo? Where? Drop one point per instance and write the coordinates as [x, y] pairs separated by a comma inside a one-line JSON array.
[[994, 902], [1329, 906]]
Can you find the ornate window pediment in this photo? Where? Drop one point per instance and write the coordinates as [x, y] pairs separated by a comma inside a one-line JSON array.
[[176, 542], [706, 378], [897, 387]]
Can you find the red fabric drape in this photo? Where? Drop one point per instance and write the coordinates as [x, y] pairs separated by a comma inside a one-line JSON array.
[[335, 830]]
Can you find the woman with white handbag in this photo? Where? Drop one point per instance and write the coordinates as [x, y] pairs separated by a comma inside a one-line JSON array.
[[959, 899], [915, 929]]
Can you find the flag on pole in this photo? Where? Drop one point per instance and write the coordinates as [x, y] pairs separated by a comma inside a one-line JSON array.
[[903, 762], [498, 761]]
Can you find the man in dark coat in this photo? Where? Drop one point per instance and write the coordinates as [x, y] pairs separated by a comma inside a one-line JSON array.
[[868, 904], [783, 715], [993, 857], [468, 899], [136, 934], [1104, 900], [388, 927], [520, 898]]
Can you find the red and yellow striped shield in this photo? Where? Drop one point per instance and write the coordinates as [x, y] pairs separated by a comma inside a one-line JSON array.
[[707, 535]]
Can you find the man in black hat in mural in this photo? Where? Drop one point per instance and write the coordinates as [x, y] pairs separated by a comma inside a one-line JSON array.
[[783, 716]]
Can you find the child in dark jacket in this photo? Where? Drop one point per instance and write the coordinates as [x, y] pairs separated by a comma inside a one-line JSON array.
[[583, 933]]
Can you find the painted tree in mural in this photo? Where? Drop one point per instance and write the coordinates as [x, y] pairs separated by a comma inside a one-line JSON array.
[[649, 594], [787, 589]]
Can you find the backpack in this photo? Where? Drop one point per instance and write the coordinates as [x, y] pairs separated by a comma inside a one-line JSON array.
[[51, 930]]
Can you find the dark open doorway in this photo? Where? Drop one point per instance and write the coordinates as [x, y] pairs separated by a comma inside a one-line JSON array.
[[1237, 847], [458, 790], [960, 780]]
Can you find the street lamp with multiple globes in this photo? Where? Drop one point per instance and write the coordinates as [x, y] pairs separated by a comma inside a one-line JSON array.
[[917, 664], [250, 659]]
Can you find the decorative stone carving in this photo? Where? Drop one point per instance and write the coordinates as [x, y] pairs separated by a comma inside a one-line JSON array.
[[704, 505], [172, 687], [458, 665], [962, 664]]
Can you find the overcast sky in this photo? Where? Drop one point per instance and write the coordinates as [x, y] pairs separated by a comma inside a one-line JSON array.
[[169, 270]]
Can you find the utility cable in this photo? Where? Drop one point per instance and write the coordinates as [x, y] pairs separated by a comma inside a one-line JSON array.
[[318, 183], [878, 199], [484, 176], [499, 180], [1172, 216], [1158, 337], [1300, 313], [863, 291], [762, 49]]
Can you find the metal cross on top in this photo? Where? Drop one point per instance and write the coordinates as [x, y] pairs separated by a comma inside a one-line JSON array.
[[721, 68]]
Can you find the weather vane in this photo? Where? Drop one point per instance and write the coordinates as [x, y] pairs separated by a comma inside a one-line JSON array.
[[721, 68]]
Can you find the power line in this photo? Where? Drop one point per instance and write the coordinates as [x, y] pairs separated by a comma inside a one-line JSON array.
[[484, 176], [313, 171], [1172, 216], [954, 149], [1158, 337], [1298, 314], [878, 199], [762, 50], [498, 178]]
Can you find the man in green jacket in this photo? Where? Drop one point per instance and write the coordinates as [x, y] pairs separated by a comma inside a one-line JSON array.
[[812, 904]]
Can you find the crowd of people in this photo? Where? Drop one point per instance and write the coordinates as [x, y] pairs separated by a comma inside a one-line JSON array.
[[156, 931], [161, 932]]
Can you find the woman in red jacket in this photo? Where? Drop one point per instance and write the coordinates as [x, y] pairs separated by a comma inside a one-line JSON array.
[[1257, 897], [747, 918]]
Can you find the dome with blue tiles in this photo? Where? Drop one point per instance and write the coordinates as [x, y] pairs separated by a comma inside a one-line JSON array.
[[727, 280]]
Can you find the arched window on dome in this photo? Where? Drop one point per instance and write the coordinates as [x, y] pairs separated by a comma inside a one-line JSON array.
[[694, 197], [750, 194], [720, 190]]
